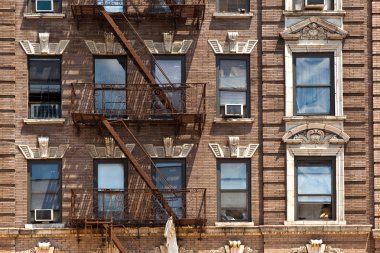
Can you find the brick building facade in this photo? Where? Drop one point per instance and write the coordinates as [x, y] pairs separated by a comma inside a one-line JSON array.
[[263, 112]]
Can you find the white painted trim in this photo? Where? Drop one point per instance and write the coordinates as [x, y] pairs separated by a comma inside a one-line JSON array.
[[289, 5]]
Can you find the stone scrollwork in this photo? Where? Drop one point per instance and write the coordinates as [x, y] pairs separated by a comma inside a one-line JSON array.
[[43, 247], [314, 136], [316, 246], [109, 150], [44, 47], [109, 46], [233, 150], [43, 151], [313, 32], [168, 150]]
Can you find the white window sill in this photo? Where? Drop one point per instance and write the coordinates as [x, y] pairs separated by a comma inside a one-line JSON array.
[[298, 13], [314, 222], [231, 15], [233, 120], [234, 224], [44, 15], [44, 225], [59, 121], [313, 118]]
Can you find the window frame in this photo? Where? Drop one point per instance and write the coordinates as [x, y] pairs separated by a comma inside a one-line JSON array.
[[57, 7], [312, 161], [247, 191], [30, 218], [246, 58], [59, 110], [246, 8], [329, 55], [290, 5]]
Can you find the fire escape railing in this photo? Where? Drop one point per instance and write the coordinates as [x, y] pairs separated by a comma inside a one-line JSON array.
[[137, 207]]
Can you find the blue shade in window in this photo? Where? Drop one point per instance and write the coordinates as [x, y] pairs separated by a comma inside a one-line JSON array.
[[44, 171], [44, 5], [233, 74], [233, 176], [173, 174], [231, 97], [172, 69], [313, 100], [110, 176], [112, 5], [110, 71], [315, 179], [313, 71]]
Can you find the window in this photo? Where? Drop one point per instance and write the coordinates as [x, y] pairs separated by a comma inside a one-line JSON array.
[[239, 6], [313, 4], [315, 188], [234, 190], [174, 172], [314, 83], [112, 5], [44, 6], [44, 88], [45, 188], [174, 69], [110, 86], [233, 83], [110, 182]]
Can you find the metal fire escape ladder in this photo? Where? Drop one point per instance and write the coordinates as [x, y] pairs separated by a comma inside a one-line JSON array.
[[138, 61], [136, 164]]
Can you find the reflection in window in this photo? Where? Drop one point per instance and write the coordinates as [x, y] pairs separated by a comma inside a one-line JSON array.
[[44, 88], [239, 6], [174, 174], [233, 83], [234, 191], [315, 193], [314, 82], [112, 5], [45, 187], [110, 86]]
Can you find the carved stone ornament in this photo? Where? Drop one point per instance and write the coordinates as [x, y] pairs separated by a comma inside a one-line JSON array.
[[168, 46], [316, 246], [109, 150], [108, 248], [168, 150], [233, 247], [43, 151], [315, 133], [43, 247], [314, 28], [163, 249], [108, 47], [232, 46], [233, 150], [44, 47]]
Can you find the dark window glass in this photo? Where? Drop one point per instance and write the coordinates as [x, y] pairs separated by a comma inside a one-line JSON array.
[[44, 88], [233, 83], [45, 188], [174, 69], [240, 6], [315, 191], [174, 174], [44, 6], [314, 84], [234, 191], [110, 86]]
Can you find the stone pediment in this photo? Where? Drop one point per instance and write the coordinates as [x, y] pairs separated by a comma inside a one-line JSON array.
[[314, 28], [315, 133]]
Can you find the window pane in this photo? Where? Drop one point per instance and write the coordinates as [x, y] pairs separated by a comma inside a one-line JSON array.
[[45, 201], [232, 5], [313, 100], [313, 71], [173, 174], [110, 71], [233, 74], [45, 70], [111, 101], [230, 97], [314, 179], [233, 176], [234, 206], [314, 199], [315, 1], [44, 5], [172, 69], [45, 186], [314, 211], [44, 171], [112, 5], [111, 176]]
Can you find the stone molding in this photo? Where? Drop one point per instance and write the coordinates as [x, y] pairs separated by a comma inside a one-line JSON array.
[[43, 151], [108, 47], [315, 133], [316, 246], [168, 150], [43, 247], [314, 28], [109, 150], [233, 150], [44, 47], [168, 46], [232, 45]]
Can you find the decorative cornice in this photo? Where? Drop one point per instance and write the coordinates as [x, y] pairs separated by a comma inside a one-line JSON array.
[[43, 151], [109, 150], [315, 133], [108, 47], [224, 47], [233, 150], [44, 47], [168, 150], [166, 47], [314, 28], [315, 246]]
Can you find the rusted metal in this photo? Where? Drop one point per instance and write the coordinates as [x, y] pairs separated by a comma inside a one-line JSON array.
[[114, 238], [137, 207]]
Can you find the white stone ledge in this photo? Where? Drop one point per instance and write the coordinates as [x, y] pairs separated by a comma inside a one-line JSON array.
[[234, 224], [44, 15], [313, 13], [59, 121], [228, 15], [233, 120], [313, 118]]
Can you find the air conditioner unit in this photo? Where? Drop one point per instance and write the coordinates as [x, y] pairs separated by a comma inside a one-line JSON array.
[[44, 6], [315, 4], [43, 215], [233, 110]]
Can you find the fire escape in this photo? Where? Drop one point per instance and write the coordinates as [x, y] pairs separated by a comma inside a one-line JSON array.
[[146, 100]]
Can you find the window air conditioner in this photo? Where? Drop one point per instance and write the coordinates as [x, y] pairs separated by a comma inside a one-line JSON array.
[[314, 4], [43, 214], [44, 6], [233, 110]]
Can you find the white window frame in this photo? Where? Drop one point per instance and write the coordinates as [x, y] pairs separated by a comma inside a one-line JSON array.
[[313, 46], [337, 5], [314, 150]]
